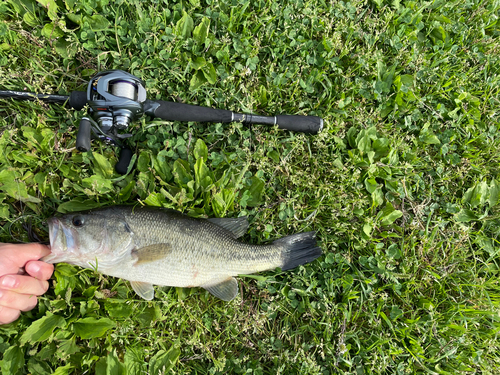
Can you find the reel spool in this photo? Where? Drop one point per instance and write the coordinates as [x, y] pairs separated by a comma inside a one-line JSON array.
[[124, 89]]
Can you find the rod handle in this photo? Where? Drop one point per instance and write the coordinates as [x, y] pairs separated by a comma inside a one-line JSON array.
[[172, 111], [296, 123]]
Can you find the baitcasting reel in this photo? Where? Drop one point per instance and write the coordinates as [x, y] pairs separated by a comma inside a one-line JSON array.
[[116, 98]]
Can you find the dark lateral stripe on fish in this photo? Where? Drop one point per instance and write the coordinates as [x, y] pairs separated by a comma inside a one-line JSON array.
[[300, 248]]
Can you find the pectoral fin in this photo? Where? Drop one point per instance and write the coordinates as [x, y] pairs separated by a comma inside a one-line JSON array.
[[151, 253], [145, 290], [226, 290], [238, 226]]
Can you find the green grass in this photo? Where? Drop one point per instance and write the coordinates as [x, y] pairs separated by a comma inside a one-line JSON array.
[[402, 185]]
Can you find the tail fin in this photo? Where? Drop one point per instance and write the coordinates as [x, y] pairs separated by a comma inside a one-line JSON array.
[[298, 249]]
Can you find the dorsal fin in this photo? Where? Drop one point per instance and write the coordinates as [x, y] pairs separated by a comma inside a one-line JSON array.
[[238, 226]]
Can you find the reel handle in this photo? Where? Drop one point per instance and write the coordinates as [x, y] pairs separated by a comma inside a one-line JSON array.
[[83, 145]]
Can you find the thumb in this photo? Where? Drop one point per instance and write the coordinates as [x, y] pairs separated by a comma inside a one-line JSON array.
[[14, 256]]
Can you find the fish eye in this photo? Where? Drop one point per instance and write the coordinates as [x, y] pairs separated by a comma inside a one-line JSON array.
[[78, 221]]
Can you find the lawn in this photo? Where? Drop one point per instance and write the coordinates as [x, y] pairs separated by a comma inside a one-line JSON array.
[[402, 185]]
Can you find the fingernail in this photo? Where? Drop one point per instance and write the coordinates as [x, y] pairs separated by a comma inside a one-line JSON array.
[[8, 282], [34, 268]]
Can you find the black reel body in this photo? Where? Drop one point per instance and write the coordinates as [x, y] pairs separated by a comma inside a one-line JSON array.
[[116, 98]]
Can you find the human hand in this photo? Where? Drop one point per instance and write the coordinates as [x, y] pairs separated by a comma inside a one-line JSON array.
[[22, 278]]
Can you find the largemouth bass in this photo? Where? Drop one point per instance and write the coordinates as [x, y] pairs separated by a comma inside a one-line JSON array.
[[154, 246]]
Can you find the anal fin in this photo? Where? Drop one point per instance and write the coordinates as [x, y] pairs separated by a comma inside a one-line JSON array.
[[226, 290], [145, 290]]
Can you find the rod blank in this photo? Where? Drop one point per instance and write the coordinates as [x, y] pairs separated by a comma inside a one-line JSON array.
[[172, 111], [21, 95]]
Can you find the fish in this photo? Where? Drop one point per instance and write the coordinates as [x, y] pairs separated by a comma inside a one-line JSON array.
[[158, 246]]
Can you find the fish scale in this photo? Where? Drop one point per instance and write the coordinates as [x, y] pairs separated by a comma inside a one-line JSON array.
[[185, 233], [151, 246], [225, 255]]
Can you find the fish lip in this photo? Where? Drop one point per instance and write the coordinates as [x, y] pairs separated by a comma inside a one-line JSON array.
[[59, 250], [54, 226]]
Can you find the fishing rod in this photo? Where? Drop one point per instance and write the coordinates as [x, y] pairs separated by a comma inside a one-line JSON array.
[[116, 98]]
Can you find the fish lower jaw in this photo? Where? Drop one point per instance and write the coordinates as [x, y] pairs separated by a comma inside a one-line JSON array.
[[59, 255], [71, 259], [51, 258]]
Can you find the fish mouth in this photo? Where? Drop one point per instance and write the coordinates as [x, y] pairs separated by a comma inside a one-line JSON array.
[[54, 225], [62, 241]]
